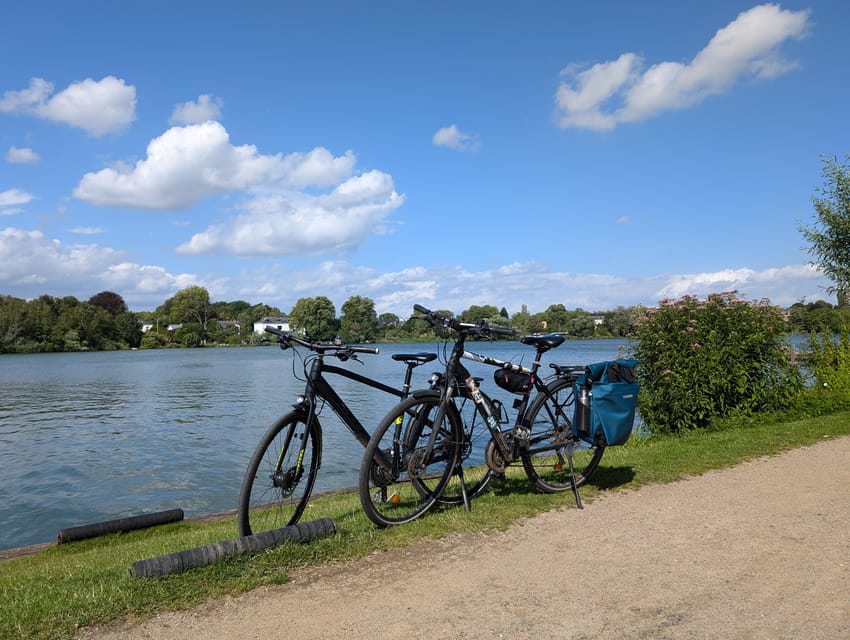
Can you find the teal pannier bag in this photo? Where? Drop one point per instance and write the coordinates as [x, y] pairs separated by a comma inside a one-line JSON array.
[[606, 397]]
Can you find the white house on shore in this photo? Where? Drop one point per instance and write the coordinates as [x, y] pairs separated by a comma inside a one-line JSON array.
[[278, 322]]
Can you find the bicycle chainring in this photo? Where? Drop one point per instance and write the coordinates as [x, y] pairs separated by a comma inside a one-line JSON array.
[[494, 458]]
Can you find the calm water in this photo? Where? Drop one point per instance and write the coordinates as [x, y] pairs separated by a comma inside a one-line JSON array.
[[86, 437]]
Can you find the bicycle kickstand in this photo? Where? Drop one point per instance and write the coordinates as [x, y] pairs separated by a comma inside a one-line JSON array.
[[573, 477], [466, 502]]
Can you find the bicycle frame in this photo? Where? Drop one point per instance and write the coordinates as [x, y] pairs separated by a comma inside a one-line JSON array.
[[318, 387]]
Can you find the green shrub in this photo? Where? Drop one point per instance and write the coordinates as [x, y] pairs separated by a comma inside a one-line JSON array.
[[830, 361], [699, 360]]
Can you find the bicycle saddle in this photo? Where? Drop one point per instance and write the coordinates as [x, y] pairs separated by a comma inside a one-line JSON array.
[[543, 342], [421, 358]]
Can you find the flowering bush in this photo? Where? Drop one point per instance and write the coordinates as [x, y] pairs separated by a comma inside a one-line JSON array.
[[700, 359], [830, 361]]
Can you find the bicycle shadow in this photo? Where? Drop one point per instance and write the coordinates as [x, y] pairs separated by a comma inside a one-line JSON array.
[[610, 477]]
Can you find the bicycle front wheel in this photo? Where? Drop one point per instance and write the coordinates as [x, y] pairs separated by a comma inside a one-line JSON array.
[[280, 475], [471, 467], [399, 479], [546, 460]]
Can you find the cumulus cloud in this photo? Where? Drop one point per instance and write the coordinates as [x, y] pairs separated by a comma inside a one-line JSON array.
[[186, 164], [183, 165], [99, 107], [783, 285], [304, 202], [610, 93], [22, 156], [32, 264], [205, 108], [291, 222], [11, 201], [454, 138]]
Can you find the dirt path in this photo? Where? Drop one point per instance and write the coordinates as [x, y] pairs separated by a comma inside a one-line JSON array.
[[761, 550]]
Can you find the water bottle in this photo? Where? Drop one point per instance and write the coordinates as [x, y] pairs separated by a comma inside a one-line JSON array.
[[583, 412]]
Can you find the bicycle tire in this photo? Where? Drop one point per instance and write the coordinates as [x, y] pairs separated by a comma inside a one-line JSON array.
[[273, 493], [476, 473], [545, 460], [412, 485]]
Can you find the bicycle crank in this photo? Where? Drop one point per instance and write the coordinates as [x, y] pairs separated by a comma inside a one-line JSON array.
[[494, 457]]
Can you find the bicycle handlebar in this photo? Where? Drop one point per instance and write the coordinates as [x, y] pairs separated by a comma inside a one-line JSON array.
[[341, 351], [481, 328]]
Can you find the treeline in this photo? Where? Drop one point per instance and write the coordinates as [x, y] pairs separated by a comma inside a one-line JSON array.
[[191, 319]]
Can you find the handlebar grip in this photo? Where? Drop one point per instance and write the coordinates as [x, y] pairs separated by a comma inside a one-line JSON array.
[[504, 331], [275, 331], [421, 309], [373, 350]]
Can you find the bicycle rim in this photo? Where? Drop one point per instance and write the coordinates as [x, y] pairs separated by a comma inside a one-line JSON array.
[[551, 443], [279, 478], [412, 480]]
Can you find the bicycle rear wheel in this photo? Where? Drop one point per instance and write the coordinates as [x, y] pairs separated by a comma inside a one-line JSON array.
[[551, 441], [279, 479], [399, 481]]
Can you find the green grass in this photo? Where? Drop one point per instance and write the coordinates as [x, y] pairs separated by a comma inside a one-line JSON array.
[[55, 592]]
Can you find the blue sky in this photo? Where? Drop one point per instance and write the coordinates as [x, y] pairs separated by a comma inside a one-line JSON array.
[[441, 153]]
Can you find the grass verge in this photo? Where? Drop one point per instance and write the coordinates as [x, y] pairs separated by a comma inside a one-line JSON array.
[[55, 592]]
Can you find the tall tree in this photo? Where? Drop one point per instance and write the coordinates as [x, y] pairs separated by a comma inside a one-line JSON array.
[[192, 304], [316, 317], [110, 301], [829, 235], [359, 322]]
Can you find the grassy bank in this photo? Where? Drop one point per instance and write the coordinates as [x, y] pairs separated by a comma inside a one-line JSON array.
[[55, 592]]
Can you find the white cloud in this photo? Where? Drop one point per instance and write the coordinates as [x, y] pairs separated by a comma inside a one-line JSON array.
[[288, 223], [782, 285], [206, 108], [98, 107], [610, 93], [11, 201], [183, 165], [454, 138], [32, 265], [317, 168], [189, 163], [87, 231], [22, 156], [512, 286]]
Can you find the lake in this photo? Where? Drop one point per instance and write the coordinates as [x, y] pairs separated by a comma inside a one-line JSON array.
[[87, 437]]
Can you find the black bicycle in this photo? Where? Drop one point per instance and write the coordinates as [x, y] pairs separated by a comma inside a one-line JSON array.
[[430, 423], [283, 468]]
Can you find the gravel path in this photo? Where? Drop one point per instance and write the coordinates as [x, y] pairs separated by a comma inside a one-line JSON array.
[[761, 550]]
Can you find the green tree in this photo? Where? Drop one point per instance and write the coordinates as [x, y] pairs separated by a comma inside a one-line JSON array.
[[620, 321], [478, 312], [192, 304], [315, 317], [359, 322], [521, 321], [110, 301], [557, 318], [128, 329], [829, 235], [581, 324]]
